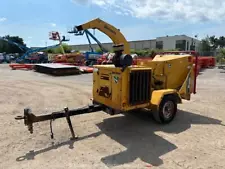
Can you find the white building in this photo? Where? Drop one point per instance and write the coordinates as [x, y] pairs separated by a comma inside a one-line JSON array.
[[181, 42]]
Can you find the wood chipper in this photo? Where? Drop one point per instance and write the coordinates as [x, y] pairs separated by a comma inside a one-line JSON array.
[[158, 85]]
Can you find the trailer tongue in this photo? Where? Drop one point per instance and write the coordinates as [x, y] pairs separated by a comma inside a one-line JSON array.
[[29, 118]]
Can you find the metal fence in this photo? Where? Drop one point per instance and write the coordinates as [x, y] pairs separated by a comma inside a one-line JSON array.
[[211, 53]]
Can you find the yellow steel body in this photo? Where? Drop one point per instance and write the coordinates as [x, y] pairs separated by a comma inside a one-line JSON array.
[[157, 96], [117, 84], [175, 72], [171, 74], [113, 33]]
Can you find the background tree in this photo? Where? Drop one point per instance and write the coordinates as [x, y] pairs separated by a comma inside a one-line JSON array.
[[66, 48], [98, 50], [214, 42], [9, 48], [205, 45], [221, 42], [221, 56], [58, 50]]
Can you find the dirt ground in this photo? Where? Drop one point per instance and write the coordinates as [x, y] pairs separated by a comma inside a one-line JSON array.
[[194, 140]]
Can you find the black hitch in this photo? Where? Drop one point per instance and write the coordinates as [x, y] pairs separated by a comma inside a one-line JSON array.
[[29, 118]]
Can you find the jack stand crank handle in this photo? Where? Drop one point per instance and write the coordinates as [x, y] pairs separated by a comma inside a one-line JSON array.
[[69, 123]]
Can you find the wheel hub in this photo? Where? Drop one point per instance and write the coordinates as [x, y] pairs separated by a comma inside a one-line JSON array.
[[168, 109]]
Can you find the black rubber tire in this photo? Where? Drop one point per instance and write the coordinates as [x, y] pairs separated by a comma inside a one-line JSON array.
[[159, 115]]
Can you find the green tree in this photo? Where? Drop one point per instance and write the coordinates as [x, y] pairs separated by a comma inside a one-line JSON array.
[[132, 51], [217, 42], [49, 51], [98, 50], [214, 42], [205, 45], [67, 48], [10, 48], [221, 56], [221, 42], [57, 50]]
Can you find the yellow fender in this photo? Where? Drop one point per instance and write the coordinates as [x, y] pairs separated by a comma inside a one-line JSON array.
[[157, 96]]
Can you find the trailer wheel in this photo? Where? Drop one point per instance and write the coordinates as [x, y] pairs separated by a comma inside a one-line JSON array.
[[167, 110]]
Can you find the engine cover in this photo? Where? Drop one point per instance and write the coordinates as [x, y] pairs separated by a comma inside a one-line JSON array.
[[122, 90]]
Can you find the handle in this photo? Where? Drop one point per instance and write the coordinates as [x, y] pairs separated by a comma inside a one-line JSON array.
[[19, 117]]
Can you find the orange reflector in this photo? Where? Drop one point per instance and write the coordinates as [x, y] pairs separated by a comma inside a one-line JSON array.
[[190, 59]]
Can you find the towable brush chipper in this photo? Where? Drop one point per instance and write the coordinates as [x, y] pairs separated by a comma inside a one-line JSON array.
[[158, 85]]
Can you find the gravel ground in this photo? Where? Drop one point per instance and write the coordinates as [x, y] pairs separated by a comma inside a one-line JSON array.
[[194, 140]]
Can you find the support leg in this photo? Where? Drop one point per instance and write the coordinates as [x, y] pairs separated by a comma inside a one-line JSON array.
[[70, 124]]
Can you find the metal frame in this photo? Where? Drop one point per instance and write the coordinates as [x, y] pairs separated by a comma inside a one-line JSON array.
[[88, 33], [29, 118], [35, 50]]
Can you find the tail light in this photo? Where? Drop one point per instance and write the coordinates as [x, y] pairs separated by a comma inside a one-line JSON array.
[[190, 59]]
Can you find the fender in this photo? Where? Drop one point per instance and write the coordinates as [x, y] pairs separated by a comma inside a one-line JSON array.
[[157, 96]]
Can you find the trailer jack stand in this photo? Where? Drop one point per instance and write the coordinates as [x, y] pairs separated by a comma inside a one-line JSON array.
[[29, 118], [67, 113]]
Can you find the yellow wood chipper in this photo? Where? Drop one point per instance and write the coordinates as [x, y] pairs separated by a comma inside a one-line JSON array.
[[158, 86]]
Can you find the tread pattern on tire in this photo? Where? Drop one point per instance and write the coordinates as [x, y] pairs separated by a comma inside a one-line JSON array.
[[158, 116]]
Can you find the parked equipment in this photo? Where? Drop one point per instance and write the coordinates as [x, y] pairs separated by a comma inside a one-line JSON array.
[[72, 58], [42, 58], [57, 69], [27, 52], [32, 55], [23, 48], [92, 56], [159, 85], [21, 66]]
